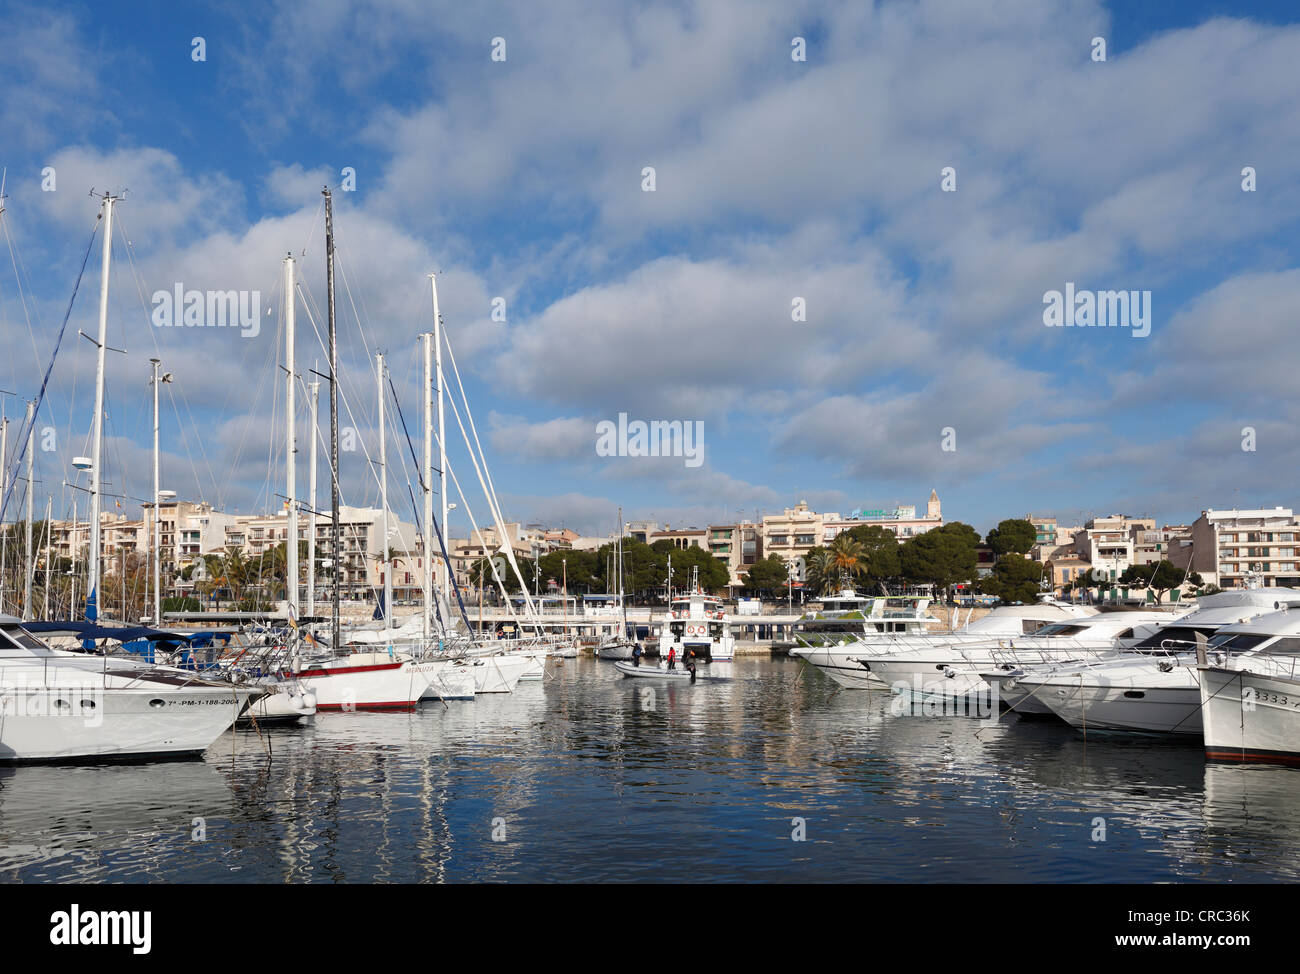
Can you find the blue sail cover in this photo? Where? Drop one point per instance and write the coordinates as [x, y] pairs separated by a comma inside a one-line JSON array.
[[380, 609], [92, 613]]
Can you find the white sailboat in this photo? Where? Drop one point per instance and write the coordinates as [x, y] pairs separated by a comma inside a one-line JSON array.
[[60, 705], [343, 681]]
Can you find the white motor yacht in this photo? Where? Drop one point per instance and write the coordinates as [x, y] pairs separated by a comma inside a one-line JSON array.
[[852, 665], [57, 705], [1250, 690], [1153, 687]]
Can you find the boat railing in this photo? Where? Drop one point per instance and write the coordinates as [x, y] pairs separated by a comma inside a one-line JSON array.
[[1061, 648]]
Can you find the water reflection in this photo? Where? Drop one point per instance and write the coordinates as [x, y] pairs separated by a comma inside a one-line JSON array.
[[589, 776]]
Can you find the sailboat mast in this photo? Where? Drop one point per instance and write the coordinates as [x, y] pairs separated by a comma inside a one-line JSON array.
[[290, 444], [383, 496], [154, 379], [444, 587], [49, 512], [4, 489], [311, 504], [97, 434], [31, 555], [429, 593], [337, 556]]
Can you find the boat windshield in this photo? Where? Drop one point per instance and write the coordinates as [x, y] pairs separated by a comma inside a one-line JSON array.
[[1286, 646], [1237, 642], [1174, 638], [16, 637], [1060, 629]]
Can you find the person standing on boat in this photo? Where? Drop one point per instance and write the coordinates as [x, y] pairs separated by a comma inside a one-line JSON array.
[[636, 654], [672, 657]]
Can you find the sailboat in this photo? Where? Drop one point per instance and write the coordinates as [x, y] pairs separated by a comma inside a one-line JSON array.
[[342, 680], [58, 705], [618, 646]]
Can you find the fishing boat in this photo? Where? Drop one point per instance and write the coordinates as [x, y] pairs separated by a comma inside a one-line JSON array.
[[697, 623]]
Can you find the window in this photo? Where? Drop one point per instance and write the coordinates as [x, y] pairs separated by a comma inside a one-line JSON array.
[[1238, 642]]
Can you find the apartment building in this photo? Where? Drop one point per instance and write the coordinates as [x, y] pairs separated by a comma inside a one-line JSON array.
[[1108, 543], [739, 545], [1234, 546]]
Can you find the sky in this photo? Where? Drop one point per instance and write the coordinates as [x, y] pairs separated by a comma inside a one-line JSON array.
[[918, 184]]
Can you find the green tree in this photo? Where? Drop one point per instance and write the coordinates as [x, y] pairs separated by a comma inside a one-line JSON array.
[[1014, 579], [881, 549], [1012, 536], [941, 556], [767, 576], [1159, 576], [821, 577], [848, 556]]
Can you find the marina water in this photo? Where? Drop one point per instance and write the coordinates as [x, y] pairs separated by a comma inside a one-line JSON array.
[[773, 775]]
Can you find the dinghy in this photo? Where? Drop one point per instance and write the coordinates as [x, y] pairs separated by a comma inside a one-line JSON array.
[[657, 672]]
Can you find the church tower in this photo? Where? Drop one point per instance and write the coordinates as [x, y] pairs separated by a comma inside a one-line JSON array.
[[932, 508]]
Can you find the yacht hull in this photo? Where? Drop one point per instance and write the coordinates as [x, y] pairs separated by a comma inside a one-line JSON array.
[[144, 722], [1125, 707], [1250, 717], [352, 684]]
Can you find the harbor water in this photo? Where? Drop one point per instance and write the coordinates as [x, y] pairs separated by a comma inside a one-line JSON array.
[[771, 775]]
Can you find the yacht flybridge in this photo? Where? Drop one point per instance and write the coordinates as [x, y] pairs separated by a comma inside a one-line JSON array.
[[64, 706]]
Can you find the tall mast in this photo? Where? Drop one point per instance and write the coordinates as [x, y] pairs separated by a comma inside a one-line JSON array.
[[622, 606], [49, 511], [444, 587], [72, 596], [31, 485], [429, 593], [97, 434], [337, 557], [290, 445], [4, 490], [155, 378], [314, 387], [383, 496]]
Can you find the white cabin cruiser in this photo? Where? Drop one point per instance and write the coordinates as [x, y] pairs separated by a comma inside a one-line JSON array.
[[63, 706], [957, 668], [853, 665], [1152, 687], [1250, 701]]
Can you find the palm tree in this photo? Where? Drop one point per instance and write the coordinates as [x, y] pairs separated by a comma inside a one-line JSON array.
[[849, 558], [821, 572]]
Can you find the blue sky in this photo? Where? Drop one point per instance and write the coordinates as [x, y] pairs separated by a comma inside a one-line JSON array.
[[775, 179]]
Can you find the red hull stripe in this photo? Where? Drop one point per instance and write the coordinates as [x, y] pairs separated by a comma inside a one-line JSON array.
[[349, 669], [1279, 757], [393, 705]]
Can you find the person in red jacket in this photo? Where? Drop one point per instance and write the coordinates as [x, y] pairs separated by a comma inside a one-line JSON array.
[[672, 658]]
